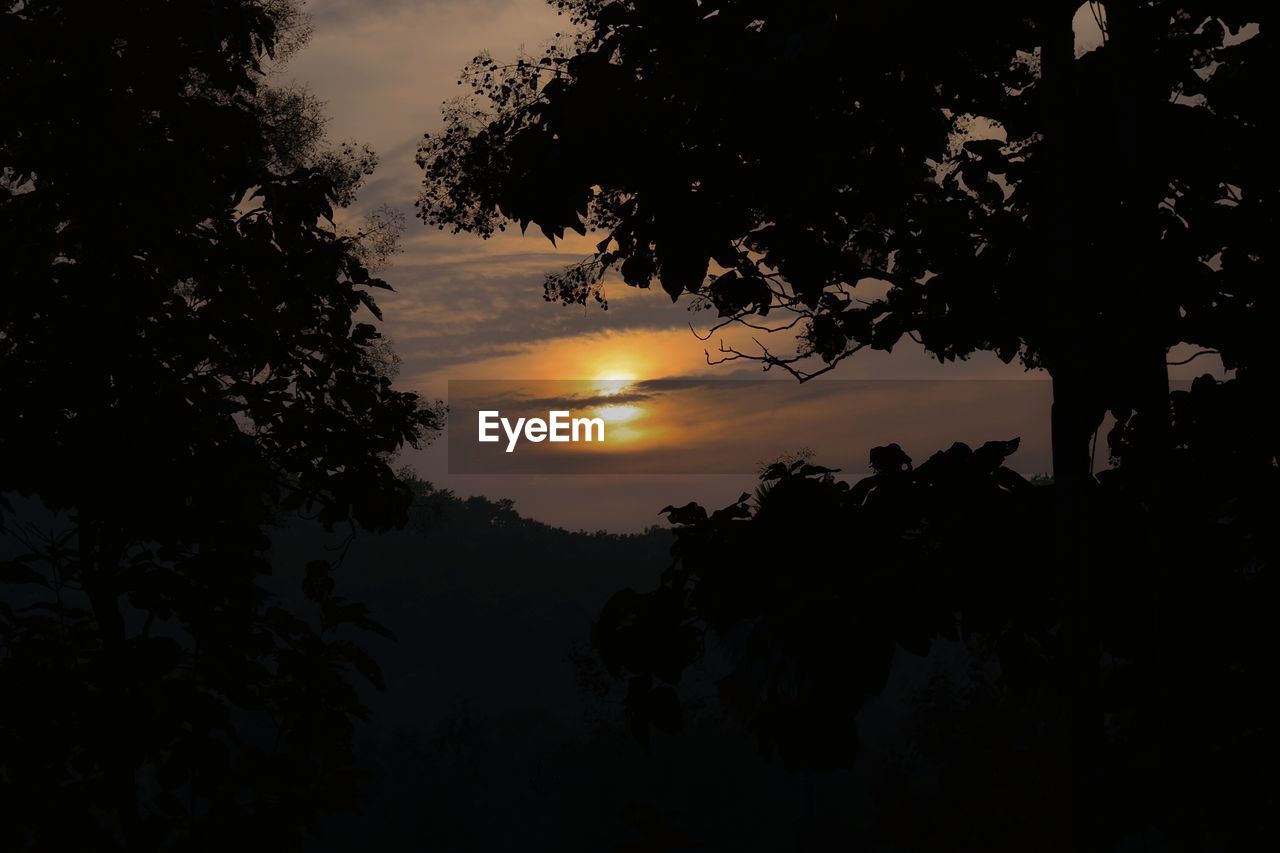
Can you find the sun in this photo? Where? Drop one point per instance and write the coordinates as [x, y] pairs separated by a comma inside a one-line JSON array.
[[614, 380], [616, 374]]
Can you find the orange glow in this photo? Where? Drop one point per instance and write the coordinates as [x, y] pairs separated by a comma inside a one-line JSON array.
[[607, 359]]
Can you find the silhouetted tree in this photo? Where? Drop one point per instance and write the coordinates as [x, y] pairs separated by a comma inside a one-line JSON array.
[[950, 173], [181, 360], [877, 171]]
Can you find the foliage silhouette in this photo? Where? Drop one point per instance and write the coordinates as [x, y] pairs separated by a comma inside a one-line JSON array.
[[181, 360], [816, 582], [801, 598]]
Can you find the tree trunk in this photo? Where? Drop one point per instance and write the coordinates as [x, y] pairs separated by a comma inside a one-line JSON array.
[[1146, 390], [1075, 416]]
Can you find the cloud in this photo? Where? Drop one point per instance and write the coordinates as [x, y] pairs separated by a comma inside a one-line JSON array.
[[338, 11]]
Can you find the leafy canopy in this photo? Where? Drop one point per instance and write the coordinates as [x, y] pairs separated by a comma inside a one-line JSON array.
[[864, 172], [184, 355]]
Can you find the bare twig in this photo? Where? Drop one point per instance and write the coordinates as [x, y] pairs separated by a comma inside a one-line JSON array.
[[1192, 358]]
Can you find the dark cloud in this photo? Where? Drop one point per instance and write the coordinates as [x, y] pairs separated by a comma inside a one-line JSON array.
[[325, 12], [585, 401]]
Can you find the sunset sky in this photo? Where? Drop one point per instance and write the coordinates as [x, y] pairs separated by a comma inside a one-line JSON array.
[[467, 308]]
